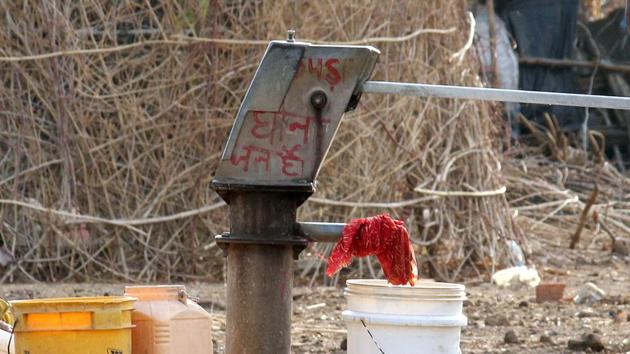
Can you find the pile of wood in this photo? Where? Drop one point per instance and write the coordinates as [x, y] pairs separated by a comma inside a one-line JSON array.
[[114, 115], [561, 194]]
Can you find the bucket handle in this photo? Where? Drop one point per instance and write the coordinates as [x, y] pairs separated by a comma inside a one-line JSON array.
[[374, 340], [11, 336], [371, 336]]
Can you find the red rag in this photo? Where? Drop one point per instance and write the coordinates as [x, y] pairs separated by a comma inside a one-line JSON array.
[[379, 236]]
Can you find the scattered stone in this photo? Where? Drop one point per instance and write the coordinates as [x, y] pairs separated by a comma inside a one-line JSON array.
[[617, 299], [621, 248], [589, 293], [581, 260], [556, 261], [554, 271], [577, 345], [344, 344], [480, 324], [595, 342], [587, 312], [523, 304], [546, 339], [619, 316], [607, 261], [511, 337], [497, 320], [590, 341], [625, 345]]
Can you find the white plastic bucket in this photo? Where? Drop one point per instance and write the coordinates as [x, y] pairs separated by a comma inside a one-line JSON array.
[[5, 337], [382, 318]]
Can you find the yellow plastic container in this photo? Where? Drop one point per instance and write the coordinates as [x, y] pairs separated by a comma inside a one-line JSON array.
[[167, 322], [83, 325]]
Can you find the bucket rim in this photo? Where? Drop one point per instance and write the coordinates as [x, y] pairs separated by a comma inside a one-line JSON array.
[[76, 330], [420, 285], [422, 291], [426, 298], [155, 287], [88, 300]]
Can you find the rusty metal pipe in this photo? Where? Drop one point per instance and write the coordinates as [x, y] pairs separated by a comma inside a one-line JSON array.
[[260, 250], [260, 280]]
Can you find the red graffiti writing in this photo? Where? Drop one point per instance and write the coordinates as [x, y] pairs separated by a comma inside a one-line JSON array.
[[292, 164], [261, 155], [276, 140], [264, 125], [270, 126], [333, 77], [321, 70], [315, 70]]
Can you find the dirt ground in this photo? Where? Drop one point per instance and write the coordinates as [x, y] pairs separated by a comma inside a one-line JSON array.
[[492, 312]]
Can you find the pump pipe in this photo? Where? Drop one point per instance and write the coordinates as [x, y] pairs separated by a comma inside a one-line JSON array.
[[493, 94]]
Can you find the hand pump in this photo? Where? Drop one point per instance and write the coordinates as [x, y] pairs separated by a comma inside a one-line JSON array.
[[282, 132]]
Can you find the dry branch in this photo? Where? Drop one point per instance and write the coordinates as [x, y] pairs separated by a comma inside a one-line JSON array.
[[187, 40], [572, 63], [583, 217]]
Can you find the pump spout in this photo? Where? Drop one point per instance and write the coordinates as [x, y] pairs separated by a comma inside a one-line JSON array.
[[321, 231]]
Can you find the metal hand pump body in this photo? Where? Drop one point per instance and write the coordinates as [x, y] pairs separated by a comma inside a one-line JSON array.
[[282, 132]]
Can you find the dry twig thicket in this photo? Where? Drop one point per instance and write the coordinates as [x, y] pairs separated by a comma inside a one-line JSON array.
[[113, 115], [558, 191]]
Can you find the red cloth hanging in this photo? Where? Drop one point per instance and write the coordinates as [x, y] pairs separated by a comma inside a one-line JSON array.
[[379, 236]]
